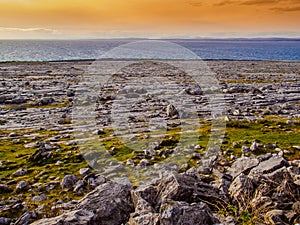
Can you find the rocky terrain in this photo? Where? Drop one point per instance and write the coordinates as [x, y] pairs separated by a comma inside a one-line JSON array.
[[49, 175]]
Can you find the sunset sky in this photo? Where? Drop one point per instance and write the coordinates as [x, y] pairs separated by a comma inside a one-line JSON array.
[[149, 18]]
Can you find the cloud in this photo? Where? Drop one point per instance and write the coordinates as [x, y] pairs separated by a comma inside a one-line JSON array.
[[286, 9], [35, 29], [27, 33], [259, 2], [14, 1], [195, 3], [253, 2], [224, 3]]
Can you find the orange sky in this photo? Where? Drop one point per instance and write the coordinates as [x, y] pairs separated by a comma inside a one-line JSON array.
[[148, 18]]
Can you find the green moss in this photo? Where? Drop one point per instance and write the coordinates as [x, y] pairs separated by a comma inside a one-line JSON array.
[[2, 122], [65, 103], [14, 156], [266, 131]]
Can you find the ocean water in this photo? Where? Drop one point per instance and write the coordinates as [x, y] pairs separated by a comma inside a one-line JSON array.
[[46, 50]]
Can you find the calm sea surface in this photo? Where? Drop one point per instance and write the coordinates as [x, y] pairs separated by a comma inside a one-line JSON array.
[[12, 50]]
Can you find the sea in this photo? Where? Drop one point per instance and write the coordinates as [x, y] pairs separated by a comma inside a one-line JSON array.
[[206, 49]]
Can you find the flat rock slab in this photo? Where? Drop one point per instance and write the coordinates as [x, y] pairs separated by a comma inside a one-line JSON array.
[[269, 166], [242, 165], [181, 187], [184, 213], [78, 217]]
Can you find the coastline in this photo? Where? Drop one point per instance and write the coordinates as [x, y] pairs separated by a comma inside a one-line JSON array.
[[108, 59]]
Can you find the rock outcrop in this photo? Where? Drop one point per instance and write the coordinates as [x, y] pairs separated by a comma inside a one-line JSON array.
[[108, 204], [268, 185]]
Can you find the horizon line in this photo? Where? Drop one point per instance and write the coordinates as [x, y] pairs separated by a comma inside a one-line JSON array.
[[162, 38]]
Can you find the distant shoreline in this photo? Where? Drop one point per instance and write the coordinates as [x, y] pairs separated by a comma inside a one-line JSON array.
[[162, 39], [92, 60]]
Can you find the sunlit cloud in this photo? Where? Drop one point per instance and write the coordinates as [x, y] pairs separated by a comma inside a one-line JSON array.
[[195, 3], [14, 1], [260, 2], [287, 9], [33, 32], [43, 30], [250, 2], [224, 3]]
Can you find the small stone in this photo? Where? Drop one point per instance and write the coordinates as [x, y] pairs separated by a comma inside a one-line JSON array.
[[281, 153], [15, 200], [100, 179], [198, 147], [47, 146], [4, 188], [20, 172], [17, 206], [4, 221], [130, 162], [196, 155], [39, 198], [30, 145], [11, 182], [171, 110], [70, 93], [59, 163], [133, 138], [69, 181], [100, 132], [22, 185], [144, 163], [84, 171], [18, 100], [46, 101], [78, 186], [232, 157], [43, 172], [236, 112], [245, 149], [149, 152], [11, 135], [254, 146]]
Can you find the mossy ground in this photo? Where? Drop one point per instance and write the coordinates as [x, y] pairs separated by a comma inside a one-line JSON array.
[[14, 155], [62, 104], [270, 130]]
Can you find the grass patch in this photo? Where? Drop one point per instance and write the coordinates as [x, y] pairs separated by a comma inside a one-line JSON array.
[[14, 156], [267, 131]]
